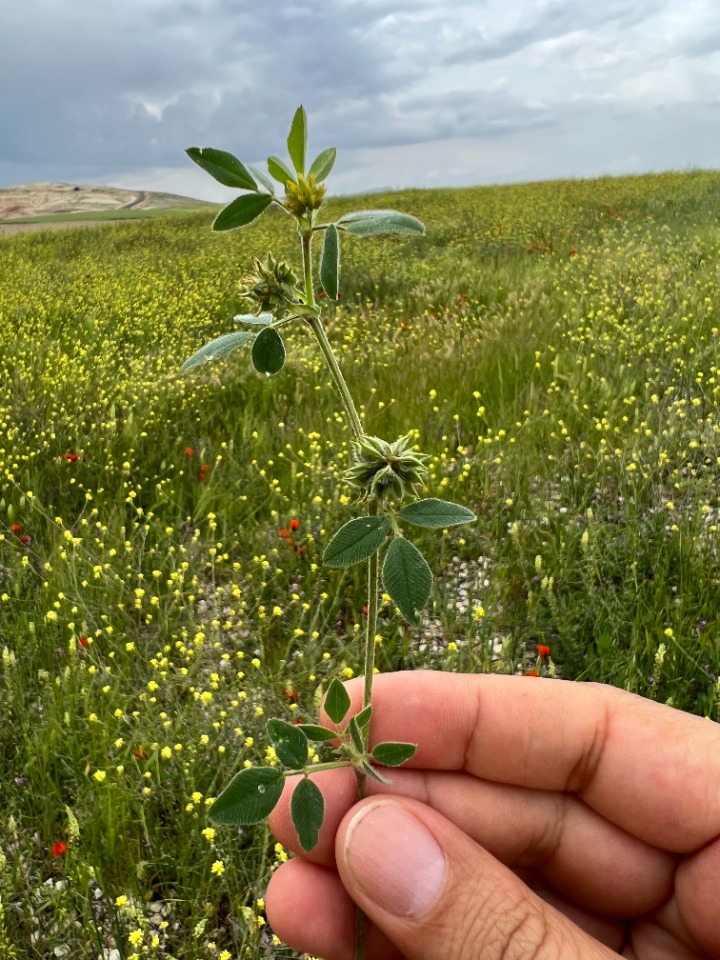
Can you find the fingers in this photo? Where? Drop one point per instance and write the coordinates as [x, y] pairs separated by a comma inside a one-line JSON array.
[[435, 893], [650, 770], [310, 910], [556, 836], [697, 883]]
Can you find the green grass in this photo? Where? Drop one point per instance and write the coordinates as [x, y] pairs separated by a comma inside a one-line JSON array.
[[93, 215], [555, 348]]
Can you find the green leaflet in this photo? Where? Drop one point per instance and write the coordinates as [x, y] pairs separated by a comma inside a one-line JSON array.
[[268, 352], [436, 514], [297, 140], [356, 541], [323, 164], [250, 796], [393, 754], [262, 178], [241, 211], [330, 262], [217, 349], [223, 167], [407, 578], [307, 809], [280, 171], [290, 743], [253, 320], [337, 701], [367, 223]]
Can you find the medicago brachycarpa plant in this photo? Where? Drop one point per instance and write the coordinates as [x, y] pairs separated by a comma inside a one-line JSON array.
[[384, 473]]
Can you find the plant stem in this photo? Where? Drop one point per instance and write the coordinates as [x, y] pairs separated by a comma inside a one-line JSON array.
[[324, 343], [373, 582], [357, 429]]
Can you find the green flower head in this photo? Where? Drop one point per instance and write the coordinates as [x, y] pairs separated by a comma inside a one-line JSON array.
[[386, 470]]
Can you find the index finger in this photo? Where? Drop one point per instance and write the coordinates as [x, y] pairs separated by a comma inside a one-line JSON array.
[[651, 770]]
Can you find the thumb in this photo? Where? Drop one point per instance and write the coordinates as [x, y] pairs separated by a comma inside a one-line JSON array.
[[436, 893]]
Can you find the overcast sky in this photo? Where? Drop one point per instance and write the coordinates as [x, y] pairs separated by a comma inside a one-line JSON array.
[[412, 92]]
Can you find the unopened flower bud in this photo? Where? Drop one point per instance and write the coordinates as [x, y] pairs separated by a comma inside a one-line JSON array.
[[386, 470]]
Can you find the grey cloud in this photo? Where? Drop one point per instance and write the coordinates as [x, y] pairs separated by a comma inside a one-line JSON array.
[[552, 21], [89, 88]]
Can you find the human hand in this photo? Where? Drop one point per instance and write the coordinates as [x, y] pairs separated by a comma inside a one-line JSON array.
[[538, 818]]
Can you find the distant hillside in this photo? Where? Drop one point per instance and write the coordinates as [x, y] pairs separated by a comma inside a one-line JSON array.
[[46, 199]]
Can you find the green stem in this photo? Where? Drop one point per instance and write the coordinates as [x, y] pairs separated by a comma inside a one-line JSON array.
[[373, 583], [324, 343], [357, 429], [330, 765]]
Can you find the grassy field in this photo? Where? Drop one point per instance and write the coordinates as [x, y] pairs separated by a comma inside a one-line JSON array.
[[92, 216], [555, 348]]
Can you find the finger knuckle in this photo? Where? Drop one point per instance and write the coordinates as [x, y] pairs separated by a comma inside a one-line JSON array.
[[519, 932]]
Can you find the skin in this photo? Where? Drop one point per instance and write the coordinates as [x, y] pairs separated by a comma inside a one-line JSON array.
[[576, 820]]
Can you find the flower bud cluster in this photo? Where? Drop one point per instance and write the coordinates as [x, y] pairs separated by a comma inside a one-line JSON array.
[[269, 287], [386, 470], [304, 196]]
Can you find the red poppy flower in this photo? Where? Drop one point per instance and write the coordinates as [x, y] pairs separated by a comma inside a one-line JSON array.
[[25, 539], [204, 471], [70, 457], [573, 252], [294, 524], [543, 650], [531, 673], [59, 848], [290, 695], [16, 528], [322, 294], [83, 641], [139, 753], [284, 533], [189, 451]]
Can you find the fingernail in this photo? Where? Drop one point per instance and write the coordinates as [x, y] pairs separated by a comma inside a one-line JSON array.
[[395, 860]]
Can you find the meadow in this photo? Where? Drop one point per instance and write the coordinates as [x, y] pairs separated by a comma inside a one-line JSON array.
[[553, 346]]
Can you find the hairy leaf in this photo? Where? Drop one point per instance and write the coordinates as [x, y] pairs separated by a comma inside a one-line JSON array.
[[250, 796], [316, 733], [323, 164], [393, 754], [367, 223], [297, 140], [250, 319], [262, 178], [407, 578], [372, 772], [436, 514], [363, 718], [356, 735], [330, 262], [241, 211], [307, 809], [356, 541], [217, 349], [224, 167], [268, 352], [280, 171], [337, 701], [290, 742]]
